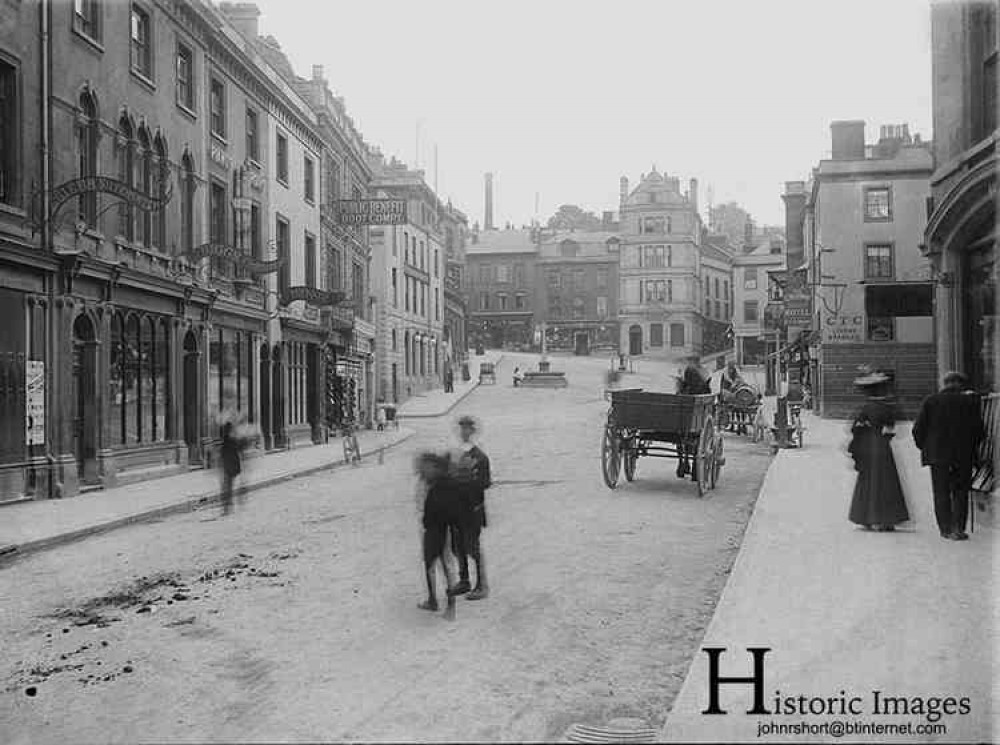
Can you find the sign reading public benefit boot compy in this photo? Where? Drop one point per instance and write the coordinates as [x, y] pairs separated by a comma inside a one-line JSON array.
[[371, 211]]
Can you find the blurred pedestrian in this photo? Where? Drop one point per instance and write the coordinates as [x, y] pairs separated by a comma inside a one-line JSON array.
[[878, 502], [230, 462], [948, 431], [471, 470], [441, 516], [693, 380], [518, 376]]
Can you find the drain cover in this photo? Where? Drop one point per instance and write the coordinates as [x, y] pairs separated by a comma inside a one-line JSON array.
[[609, 733]]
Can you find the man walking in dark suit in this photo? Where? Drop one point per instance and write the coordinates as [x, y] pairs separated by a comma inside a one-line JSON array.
[[948, 431]]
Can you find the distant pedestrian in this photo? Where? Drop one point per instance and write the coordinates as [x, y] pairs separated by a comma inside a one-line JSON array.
[[948, 431], [878, 502], [441, 515], [230, 463], [518, 377], [471, 469]]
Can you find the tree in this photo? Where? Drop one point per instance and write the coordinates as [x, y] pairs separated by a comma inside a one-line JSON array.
[[571, 217]]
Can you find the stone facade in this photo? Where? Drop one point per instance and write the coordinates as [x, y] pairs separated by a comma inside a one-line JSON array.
[[873, 290]]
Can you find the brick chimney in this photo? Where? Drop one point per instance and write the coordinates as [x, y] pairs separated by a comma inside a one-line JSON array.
[[848, 139], [243, 17], [795, 210]]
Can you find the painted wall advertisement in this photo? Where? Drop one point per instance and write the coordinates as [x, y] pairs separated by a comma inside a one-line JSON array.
[[846, 329], [34, 410]]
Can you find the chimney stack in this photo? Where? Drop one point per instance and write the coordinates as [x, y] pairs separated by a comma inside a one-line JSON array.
[[693, 194], [848, 139], [623, 192], [243, 17], [318, 72], [488, 219]]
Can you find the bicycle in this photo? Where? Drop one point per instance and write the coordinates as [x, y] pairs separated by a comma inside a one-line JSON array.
[[352, 451]]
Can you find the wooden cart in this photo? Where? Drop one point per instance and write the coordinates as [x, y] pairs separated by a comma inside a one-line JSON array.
[[662, 425]]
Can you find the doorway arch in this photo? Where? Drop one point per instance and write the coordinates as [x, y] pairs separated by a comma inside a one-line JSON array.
[[635, 340]]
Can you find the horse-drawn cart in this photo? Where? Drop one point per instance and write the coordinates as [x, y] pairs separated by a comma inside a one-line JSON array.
[[662, 425]]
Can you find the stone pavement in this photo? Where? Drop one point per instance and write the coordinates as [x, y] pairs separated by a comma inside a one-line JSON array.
[[437, 403], [36, 525], [906, 613]]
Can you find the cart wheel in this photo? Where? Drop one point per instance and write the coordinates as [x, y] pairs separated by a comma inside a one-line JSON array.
[[718, 460], [703, 465], [798, 436], [611, 456], [630, 458]]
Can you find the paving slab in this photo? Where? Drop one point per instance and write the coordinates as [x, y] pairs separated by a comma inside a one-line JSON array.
[[38, 524], [846, 612]]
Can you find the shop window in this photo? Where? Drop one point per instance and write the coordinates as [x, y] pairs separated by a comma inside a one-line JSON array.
[[880, 329], [9, 133]]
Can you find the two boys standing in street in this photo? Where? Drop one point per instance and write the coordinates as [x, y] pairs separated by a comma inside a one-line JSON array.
[[454, 506]]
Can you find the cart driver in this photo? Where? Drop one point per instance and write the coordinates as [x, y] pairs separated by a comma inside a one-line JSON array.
[[731, 380], [693, 381]]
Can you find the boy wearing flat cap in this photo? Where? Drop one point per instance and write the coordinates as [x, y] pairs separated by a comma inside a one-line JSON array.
[[471, 469]]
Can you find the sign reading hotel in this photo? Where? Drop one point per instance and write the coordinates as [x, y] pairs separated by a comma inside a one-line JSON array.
[[371, 211]]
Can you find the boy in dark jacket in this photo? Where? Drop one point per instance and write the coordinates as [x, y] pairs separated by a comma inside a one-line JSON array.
[[471, 469], [441, 515]]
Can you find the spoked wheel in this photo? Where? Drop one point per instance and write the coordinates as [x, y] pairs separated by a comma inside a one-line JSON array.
[[611, 457], [718, 460], [705, 456], [630, 458]]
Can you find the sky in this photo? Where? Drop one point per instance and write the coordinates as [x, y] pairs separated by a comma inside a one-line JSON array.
[[560, 99]]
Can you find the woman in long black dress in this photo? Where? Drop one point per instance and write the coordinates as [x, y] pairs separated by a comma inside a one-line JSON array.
[[878, 495]]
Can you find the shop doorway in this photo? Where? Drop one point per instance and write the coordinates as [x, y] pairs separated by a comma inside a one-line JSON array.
[[191, 397], [635, 340], [979, 313], [85, 426], [265, 396], [582, 343]]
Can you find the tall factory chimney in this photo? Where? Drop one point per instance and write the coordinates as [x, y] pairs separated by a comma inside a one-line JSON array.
[[693, 194], [488, 220], [623, 194]]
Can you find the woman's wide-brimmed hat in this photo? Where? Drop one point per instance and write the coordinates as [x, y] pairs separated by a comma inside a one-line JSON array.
[[872, 378]]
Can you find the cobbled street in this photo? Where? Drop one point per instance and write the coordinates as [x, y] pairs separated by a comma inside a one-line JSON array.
[[296, 618]]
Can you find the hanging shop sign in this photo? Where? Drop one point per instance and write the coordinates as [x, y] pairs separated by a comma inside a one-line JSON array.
[[61, 194], [311, 295], [371, 211], [34, 410], [235, 255]]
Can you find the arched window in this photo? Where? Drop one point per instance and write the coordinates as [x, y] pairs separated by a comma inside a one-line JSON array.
[[126, 173], [87, 132], [160, 182], [187, 204], [116, 381], [145, 185]]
